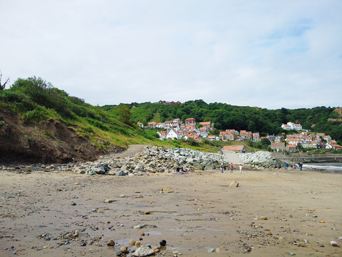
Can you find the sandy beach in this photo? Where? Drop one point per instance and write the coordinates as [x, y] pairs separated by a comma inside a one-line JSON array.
[[271, 213]]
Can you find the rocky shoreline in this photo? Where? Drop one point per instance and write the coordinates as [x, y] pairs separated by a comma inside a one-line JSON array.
[[152, 160]]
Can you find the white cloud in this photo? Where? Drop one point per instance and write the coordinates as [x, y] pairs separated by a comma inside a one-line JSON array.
[[270, 54]]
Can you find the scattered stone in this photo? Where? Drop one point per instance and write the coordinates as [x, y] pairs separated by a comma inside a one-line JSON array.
[[262, 218], [211, 250], [322, 221], [111, 242], [162, 242], [333, 243], [131, 242], [123, 249], [137, 244], [143, 251], [140, 226], [109, 200], [167, 190], [234, 184], [217, 250]]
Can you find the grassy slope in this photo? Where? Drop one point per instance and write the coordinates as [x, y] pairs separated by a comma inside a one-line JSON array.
[[37, 101]]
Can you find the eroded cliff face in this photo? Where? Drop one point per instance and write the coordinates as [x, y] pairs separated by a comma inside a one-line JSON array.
[[48, 142]]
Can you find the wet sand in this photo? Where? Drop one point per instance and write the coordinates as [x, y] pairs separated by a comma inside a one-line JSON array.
[[303, 211]]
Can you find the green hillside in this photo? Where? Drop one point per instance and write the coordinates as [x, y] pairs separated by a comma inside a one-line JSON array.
[[37, 101], [225, 116]]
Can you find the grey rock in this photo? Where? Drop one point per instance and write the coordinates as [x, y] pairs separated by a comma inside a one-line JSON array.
[[120, 173]]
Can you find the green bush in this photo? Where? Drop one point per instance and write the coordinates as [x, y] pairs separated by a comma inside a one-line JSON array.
[[37, 115]]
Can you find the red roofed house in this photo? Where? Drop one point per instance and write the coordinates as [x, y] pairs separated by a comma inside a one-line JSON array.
[[140, 124], [212, 138], [152, 124], [162, 134], [207, 124], [256, 137], [278, 147], [291, 148], [235, 148], [190, 122]]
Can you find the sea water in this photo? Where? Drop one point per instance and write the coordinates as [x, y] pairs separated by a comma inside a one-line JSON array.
[[333, 166]]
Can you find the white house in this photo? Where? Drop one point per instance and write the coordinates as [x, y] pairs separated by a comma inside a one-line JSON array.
[[162, 134], [171, 134], [291, 126]]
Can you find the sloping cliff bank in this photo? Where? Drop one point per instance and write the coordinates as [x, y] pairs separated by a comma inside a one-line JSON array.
[[51, 141]]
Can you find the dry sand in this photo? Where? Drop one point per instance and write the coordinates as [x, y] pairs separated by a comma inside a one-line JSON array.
[[303, 211]]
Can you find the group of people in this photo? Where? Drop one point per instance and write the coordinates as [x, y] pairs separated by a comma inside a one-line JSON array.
[[300, 165], [231, 166]]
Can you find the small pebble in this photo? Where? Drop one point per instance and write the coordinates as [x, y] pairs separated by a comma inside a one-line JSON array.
[[333, 243]]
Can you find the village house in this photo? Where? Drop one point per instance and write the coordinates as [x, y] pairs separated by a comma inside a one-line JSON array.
[[171, 134], [291, 148], [291, 126], [271, 138], [207, 124], [228, 135], [278, 139], [327, 138], [140, 124], [190, 122], [256, 137], [160, 125], [152, 124], [176, 122], [168, 124], [291, 141], [211, 138], [235, 148], [162, 134], [278, 147]]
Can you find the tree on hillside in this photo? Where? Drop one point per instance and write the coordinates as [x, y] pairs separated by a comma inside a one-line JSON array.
[[265, 141], [125, 115], [2, 86]]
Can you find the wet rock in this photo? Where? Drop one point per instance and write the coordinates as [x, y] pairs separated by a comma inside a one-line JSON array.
[[162, 242], [143, 251], [123, 249], [111, 242], [137, 244], [131, 242]]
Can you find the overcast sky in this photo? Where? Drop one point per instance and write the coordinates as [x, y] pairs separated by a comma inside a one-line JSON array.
[[269, 54]]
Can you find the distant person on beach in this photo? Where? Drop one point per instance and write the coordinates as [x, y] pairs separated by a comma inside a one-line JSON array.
[[222, 166], [286, 165], [240, 167], [231, 167], [300, 166]]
